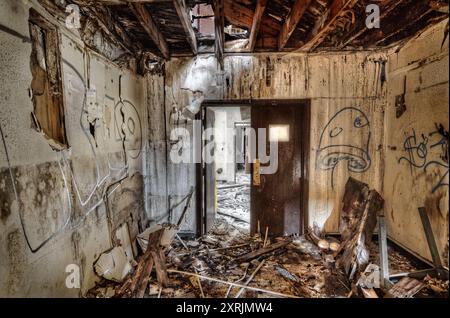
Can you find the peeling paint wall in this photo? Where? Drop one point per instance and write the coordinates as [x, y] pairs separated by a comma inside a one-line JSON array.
[[64, 207], [416, 172], [348, 95]]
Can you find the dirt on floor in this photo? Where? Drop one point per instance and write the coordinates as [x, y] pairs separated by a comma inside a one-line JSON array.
[[297, 269]]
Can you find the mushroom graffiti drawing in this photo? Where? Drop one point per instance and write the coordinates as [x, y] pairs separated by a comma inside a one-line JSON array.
[[345, 138]]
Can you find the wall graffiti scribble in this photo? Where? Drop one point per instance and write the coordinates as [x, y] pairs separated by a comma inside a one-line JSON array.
[[128, 127], [418, 150], [334, 145]]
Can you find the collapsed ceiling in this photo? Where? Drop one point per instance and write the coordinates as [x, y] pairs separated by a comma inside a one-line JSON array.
[[168, 28]]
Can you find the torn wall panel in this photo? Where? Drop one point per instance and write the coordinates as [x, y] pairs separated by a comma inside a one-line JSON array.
[[78, 178]]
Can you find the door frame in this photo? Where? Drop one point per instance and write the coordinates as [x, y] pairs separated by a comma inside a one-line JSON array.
[[305, 150]]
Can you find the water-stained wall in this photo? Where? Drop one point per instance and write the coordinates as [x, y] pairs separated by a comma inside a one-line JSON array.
[[416, 123], [64, 207], [348, 95]]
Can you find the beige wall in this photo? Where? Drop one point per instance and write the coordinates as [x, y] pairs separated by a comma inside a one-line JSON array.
[[333, 82], [412, 175]]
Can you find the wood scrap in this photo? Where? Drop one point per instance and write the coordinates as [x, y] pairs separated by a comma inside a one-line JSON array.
[[369, 293], [407, 287], [262, 251], [250, 278]]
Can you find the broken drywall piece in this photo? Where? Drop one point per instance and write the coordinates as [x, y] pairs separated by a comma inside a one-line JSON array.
[[113, 265], [370, 278], [168, 235]]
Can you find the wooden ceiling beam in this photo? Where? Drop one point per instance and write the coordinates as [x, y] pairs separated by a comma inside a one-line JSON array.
[[182, 11], [325, 25], [241, 16], [257, 17], [147, 23], [360, 27], [298, 10], [219, 28]]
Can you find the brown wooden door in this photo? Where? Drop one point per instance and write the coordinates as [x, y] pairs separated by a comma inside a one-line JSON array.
[[279, 202]]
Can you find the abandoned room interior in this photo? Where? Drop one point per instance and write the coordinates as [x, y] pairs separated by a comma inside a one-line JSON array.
[[224, 148]]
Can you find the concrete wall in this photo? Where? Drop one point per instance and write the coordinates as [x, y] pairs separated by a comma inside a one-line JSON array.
[[416, 167], [55, 206], [348, 96]]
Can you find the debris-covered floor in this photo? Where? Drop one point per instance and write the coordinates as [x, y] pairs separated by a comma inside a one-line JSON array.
[[229, 262], [299, 268]]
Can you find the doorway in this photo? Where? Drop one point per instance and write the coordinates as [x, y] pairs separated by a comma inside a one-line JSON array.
[[227, 176], [244, 189]]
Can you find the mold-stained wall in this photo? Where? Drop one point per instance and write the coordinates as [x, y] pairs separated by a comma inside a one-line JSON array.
[[348, 95], [416, 166], [63, 207]]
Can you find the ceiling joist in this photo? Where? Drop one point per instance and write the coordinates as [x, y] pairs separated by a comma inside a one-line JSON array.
[[291, 22], [151, 28], [182, 11], [326, 24], [259, 12], [219, 28]]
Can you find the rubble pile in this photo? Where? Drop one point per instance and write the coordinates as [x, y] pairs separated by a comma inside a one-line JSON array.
[[229, 262]]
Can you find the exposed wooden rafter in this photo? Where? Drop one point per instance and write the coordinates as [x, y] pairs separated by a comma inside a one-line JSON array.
[[182, 11], [259, 12], [219, 26], [359, 28], [241, 16], [151, 28], [291, 22], [325, 25]]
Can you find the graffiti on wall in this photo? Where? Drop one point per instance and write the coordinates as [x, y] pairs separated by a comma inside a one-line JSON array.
[[128, 127], [418, 153], [345, 138]]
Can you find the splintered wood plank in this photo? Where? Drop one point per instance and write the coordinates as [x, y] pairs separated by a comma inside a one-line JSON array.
[[259, 12], [151, 28], [262, 251], [182, 11], [326, 23], [369, 293], [145, 278], [291, 22], [407, 287]]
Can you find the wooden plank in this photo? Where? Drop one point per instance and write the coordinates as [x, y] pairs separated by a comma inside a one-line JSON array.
[[291, 22], [145, 278], [151, 28], [369, 293], [262, 251], [326, 24], [407, 287], [259, 12], [182, 11]]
